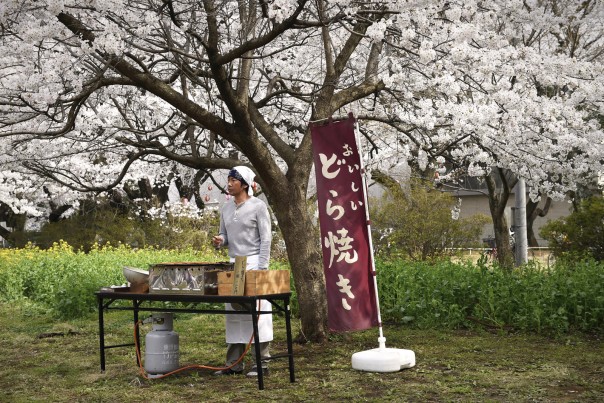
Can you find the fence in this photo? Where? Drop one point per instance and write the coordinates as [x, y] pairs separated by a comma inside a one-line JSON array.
[[542, 254]]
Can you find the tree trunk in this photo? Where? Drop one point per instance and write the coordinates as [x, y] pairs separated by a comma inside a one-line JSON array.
[[6, 234], [532, 212], [501, 227], [498, 198], [303, 249], [530, 235]]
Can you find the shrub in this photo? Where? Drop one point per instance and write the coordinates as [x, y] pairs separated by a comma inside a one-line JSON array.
[[421, 225], [580, 233], [64, 280], [107, 224], [420, 294], [530, 298]]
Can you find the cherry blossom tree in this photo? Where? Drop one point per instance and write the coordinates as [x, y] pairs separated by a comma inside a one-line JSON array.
[[514, 91], [97, 93]]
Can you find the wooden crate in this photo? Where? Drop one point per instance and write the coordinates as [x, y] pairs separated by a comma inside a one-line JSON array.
[[257, 282]]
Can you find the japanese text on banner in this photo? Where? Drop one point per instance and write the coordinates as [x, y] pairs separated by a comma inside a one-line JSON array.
[[344, 234]]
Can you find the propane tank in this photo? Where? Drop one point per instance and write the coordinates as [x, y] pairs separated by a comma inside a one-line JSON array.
[[161, 346]]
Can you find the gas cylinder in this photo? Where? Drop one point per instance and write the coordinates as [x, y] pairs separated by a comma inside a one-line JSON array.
[[161, 346]]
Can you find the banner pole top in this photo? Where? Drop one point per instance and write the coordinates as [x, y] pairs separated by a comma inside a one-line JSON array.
[[331, 119]]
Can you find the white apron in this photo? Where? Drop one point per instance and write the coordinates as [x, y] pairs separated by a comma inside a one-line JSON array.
[[239, 328]]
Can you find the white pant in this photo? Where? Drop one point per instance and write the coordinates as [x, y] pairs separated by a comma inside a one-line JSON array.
[[239, 328]]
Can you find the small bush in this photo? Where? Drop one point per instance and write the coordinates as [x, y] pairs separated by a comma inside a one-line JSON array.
[[105, 224], [579, 234], [421, 224], [564, 297], [530, 298], [65, 280]]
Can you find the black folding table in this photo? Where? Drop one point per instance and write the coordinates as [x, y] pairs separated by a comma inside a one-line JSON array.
[[143, 302]]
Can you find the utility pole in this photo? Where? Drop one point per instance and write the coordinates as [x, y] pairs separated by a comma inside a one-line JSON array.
[[521, 243]]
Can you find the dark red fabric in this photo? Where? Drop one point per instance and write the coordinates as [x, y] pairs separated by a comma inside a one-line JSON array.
[[344, 235]]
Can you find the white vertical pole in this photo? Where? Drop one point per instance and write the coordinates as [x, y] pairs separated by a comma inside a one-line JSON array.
[[520, 242], [380, 359], [381, 339]]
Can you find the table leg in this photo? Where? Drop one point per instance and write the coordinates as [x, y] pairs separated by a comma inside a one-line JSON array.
[[257, 346], [135, 305], [101, 334], [290, 350]]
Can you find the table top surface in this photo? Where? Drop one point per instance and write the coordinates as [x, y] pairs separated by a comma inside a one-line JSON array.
[[181, 297]]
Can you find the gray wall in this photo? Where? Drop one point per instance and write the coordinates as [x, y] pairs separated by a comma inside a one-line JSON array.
[[478, 203]]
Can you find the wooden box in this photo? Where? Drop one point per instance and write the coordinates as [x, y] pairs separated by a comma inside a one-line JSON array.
[[257, 282]]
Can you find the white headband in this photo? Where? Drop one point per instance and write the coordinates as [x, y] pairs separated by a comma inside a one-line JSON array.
[[248, 176]]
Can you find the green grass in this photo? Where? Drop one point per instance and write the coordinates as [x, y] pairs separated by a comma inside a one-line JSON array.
[[43, 359], [479, 334]]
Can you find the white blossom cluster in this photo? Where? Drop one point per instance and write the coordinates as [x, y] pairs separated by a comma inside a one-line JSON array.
[[474, 78], [506, 83]]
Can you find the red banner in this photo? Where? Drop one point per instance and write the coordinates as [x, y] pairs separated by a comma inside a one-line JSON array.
[[344, 234]]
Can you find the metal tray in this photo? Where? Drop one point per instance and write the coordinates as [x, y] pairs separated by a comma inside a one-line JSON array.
[[186, 277]]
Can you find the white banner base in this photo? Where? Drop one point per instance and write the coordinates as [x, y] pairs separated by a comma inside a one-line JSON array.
[[383, 360]]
